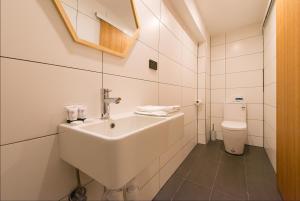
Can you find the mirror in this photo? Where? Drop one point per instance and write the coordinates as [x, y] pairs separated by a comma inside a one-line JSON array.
[[107, 25]]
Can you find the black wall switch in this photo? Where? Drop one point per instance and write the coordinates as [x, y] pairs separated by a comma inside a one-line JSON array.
[[152, 64]]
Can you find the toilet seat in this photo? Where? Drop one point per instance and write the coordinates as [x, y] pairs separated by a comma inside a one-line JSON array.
[[234, 125]]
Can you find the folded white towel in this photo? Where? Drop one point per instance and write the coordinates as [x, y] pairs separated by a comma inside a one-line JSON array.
[[155, 113], [155, 108], [160, 111]]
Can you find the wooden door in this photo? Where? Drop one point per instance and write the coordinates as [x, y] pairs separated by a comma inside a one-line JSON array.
[[288, 98]]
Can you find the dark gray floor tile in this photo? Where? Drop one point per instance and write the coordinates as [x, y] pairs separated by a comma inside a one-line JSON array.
[[211, 151], [263, 191], [169, 189], [231, 177], [186, 166], [258, 167], [190, 191], [233, 160], [203, 172], [237, 178], [197, 149], [220, 196]]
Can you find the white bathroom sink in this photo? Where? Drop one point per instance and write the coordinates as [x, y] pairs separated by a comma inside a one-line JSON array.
[[114, 151]]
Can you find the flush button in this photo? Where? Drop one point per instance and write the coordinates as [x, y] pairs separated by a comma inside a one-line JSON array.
[[152, 64]]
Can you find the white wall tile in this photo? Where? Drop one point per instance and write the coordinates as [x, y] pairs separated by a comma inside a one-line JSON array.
[[201, 126], [169, 45], [201, 95], [216, 121], [41, 91], [255, 128], [244, 79], [202, 111], [154, 5], [244, 33], [189, 60], [217, 110], [170, 22], [251, 95], [144, 93], [136, 65], [270, 73], [189, 78], [244, 47], [218, 52], [42, 17], [218, 40], [33, 170], [270, 86], [201, 138], [190, 131], [202, 80], [244, 63], [189, 96], [149, 25], [201, 65], [270, 95], [255, 111], [255, 141], [169, 71], [218, 96], [270, 116], [190, 114], [218, 82], [169, 94], [188, 42], [202, 49], [218, 67]]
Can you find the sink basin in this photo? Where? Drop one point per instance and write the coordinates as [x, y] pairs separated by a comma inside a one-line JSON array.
[[114, 151]]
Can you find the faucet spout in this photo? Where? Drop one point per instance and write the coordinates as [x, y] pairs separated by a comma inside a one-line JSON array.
[[106, 101], [113, 100]]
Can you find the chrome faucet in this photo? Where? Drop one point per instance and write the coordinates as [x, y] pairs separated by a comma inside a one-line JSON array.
[[106, 100]]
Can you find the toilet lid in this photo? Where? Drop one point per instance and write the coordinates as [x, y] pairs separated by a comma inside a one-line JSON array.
[[234, 125]]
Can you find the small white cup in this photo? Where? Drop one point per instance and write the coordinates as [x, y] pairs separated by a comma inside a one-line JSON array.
[[82, 112], [72, 112]]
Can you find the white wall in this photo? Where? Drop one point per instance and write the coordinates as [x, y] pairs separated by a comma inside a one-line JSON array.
[[42, 70], [204, 92], [237, 70], [270, 86]]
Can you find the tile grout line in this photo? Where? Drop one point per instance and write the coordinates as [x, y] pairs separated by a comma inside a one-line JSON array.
[[245, 175], [49, 64], [178, 188], [215, 179]]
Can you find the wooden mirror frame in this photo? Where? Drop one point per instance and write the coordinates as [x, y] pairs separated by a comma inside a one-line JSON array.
[[127, 40]]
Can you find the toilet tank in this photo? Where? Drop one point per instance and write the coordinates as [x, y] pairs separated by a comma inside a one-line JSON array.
[[235, 112]]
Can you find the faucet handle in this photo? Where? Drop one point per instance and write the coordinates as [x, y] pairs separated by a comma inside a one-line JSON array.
[[106, 90]]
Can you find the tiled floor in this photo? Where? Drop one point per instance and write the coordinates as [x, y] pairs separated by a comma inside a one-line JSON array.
[[209, 173]]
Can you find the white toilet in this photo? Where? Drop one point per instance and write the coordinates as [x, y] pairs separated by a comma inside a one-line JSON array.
[[234, 127]]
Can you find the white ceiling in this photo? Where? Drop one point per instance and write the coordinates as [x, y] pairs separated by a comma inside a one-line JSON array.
[[225, 15]]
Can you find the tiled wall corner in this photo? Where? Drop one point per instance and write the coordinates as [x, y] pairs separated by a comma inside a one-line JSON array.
[[270, 86], [237, 70], [204, 92]]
